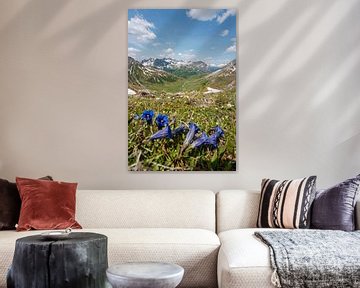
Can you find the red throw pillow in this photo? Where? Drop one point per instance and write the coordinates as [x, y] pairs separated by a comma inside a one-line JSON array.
[[46, 204], [10, 204]]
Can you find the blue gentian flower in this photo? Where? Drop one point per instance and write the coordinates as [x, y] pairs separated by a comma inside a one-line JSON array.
[[198, 142], [147, 115], [218, 131], [162, 121], [179, 130], [164, 133], [193, 129], [213, 139]]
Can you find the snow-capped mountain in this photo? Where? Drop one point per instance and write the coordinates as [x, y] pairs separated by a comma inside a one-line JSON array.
[[164, 63], [179, 67]]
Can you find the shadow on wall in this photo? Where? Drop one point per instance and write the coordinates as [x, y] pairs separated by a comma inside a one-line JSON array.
[[46, 11], [291, 35], [306, 51], [275, 40], [87, 31], [277, 50], [298, 64]]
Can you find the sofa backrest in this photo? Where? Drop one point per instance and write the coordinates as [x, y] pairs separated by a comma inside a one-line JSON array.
[[239, 209], [236, 209], [146, 209]]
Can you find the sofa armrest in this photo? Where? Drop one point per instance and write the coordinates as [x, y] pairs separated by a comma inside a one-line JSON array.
[[357, 215]]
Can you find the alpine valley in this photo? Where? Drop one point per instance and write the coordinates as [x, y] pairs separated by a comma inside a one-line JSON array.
[[175, 76]]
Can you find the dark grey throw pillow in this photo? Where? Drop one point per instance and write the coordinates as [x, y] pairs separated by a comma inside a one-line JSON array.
[[10, 204], [334, 208]]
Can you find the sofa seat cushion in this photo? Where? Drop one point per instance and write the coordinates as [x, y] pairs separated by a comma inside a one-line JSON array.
[[194, 249], [244, 261]]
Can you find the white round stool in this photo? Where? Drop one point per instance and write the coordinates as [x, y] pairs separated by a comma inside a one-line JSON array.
[[145, 275]]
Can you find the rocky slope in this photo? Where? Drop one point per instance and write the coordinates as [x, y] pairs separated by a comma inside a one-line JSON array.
[[225, 77], [139, 75]]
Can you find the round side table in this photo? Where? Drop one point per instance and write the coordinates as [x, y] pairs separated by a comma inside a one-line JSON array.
[[78, 261], [145, 275]]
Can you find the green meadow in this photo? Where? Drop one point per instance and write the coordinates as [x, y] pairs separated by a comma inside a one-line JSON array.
[[183, 101]]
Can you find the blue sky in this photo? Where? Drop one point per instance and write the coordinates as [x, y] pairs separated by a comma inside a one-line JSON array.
[[184, 34]]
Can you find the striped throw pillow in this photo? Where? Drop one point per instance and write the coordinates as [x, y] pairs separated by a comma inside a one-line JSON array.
[[286, 204]]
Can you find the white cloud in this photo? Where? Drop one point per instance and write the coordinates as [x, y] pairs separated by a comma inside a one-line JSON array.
[[232, 48], [140, 30], [222, 17], [132, 52], [210, 14], [168, 53], [187, 55], [202, 14], [224, 33]]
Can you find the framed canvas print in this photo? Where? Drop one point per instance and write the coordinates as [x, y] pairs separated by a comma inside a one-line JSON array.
[[181, 90]]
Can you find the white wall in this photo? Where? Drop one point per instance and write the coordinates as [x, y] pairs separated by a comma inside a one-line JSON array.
[[63, 81]]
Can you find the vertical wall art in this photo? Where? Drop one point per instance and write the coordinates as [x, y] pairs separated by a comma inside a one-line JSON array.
[[182, 90]]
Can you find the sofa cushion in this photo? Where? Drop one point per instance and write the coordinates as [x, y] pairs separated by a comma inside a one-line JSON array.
[[236, 209], [194, 249], [46, 204], [146, 209], [244, 261], [334, 208], [10, 204], [286, 204]]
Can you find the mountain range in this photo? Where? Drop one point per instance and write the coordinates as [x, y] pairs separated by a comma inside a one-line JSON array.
[[154, 71], [179, 67]]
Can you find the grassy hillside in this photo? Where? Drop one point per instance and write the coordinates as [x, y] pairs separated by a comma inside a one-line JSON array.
[[185, 72], [194, 83]]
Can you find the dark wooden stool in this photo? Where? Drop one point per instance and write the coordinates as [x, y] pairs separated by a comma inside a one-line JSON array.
[[79, 261]]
